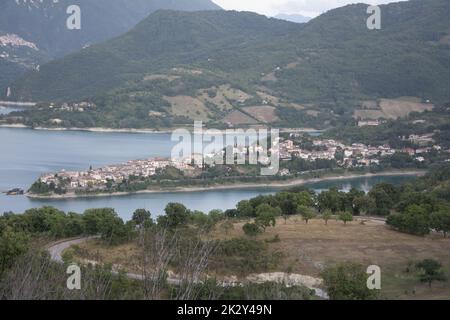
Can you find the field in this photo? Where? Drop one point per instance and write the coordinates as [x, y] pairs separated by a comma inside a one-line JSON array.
[[188, 107], [308, 248], [219, 100], [237, 118], [233, 94], [391, 108], [262, 113]]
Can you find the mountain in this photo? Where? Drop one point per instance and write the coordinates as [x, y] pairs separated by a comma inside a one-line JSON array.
[[16, 57], [297, 18], [43, 24], [164, 40], [243, 68]]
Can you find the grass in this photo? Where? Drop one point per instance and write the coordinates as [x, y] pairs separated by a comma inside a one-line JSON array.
[[308, 248]]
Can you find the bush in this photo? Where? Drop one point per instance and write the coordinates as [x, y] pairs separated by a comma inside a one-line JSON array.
[[413, 221], [252, 229], [347, 281], [431, 270], [346, 217]]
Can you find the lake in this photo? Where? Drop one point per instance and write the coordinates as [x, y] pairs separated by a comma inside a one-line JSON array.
[[25, 154]]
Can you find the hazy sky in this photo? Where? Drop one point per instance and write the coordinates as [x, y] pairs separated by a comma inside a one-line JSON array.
[[310, 8]]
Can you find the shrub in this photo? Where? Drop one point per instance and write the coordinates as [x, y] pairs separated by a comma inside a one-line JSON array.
[[252, 229]]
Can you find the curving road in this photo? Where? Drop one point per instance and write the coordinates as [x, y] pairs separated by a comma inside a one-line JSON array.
[[56, 249]]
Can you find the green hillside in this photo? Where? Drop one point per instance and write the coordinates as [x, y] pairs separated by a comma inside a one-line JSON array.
[[43, 23], [236, 68]]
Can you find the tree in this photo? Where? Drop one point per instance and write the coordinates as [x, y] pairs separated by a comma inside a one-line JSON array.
[[347, 281], [332, 199], [203, 221], [327, 215], [106, 223], [94, 220], [176, 215], [245, 209], [440, 221], [385, 196], [216, 215], [304, 198], [431, 270], [47, 220], [414, 220], [252, 229], [345, 217], [286, 218], [142, 218], [73, 225], [231, 213], [306, 213], [287, 208], [354, 201], [12, 245], [114, 231], [266, 216]]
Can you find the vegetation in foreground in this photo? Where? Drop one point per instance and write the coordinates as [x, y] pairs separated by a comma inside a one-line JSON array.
[[266, 234]]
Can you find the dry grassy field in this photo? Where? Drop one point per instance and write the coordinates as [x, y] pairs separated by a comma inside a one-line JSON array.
[[391, 108], [308, 248], [262, 113], [188, 107], [400, 108], [236, 117]]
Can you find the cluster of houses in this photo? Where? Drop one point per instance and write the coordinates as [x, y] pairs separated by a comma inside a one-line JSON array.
[[355, 155], [99, 178], [347, 156], [74, 107]]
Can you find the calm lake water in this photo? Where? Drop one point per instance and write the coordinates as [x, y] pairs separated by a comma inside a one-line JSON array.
[[25, 154]]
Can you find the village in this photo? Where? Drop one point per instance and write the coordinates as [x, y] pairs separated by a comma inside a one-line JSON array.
[[345, 156]]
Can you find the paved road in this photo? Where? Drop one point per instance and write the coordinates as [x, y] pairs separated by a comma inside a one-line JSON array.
[[56, 249]]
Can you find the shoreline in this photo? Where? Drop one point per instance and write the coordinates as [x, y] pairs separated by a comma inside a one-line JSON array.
[[17, 104], [238, 186], [141, 131]]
